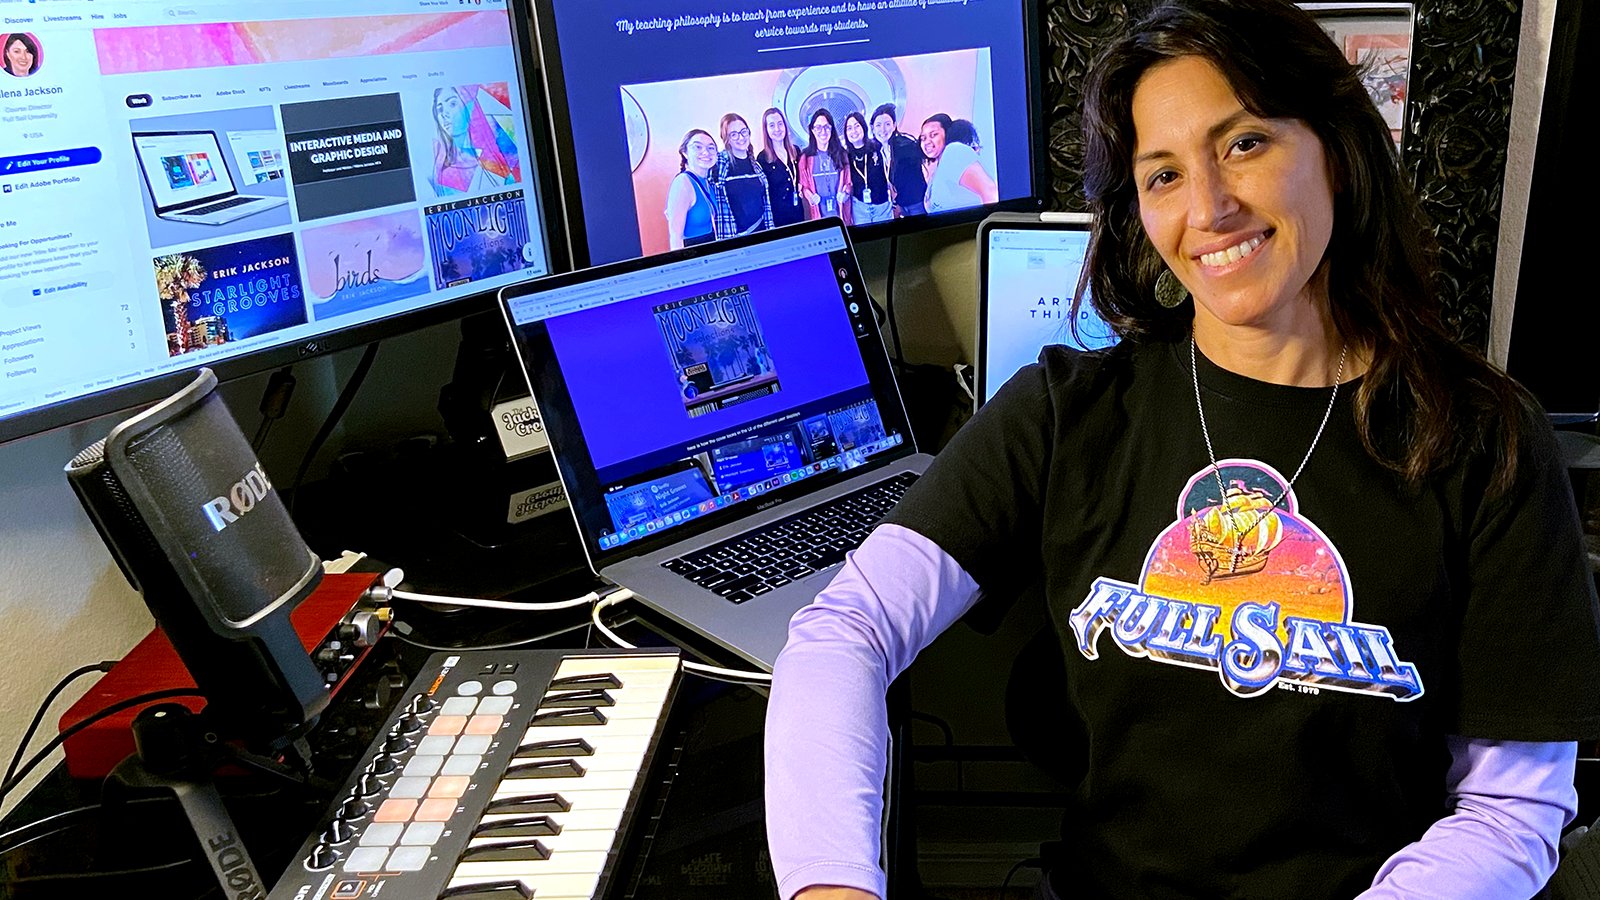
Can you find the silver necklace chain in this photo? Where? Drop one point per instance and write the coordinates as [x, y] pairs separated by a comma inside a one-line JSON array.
[[1222, 494]]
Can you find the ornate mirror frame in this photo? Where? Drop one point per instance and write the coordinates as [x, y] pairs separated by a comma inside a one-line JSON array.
[[1458, 126]]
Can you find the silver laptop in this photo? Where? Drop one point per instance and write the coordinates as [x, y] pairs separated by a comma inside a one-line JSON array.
[[189, 181], [725, 421]]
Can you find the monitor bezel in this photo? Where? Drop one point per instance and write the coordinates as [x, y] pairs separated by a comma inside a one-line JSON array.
[[566, 154], [541, 179]]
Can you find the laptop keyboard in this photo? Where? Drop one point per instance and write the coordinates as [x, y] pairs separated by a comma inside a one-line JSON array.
[[226, 204], [774, 555]]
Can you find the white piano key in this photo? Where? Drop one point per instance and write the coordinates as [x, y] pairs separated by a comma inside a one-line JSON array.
[[573, 863], [575, 840], [552, 886], [619, 665], [602, 811], [589, 781]]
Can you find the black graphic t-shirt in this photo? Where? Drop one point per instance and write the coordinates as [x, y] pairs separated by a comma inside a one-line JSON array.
[[1266, 685]]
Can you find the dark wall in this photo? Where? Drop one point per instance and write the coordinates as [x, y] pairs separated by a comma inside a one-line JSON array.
[[1457, 126]]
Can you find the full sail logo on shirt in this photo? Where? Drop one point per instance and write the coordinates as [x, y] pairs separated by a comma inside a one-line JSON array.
[[1250, 590]]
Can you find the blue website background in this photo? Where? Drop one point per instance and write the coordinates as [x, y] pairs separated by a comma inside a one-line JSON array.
[[623, 382], [602, 50]]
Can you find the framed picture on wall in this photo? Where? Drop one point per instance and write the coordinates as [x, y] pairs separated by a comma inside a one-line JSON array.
[[1376, 37]]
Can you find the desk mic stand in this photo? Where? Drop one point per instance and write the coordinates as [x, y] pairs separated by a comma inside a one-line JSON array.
[[176, 755]]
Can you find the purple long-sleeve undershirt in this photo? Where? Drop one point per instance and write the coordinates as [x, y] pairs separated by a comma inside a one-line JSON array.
[[827, 738]]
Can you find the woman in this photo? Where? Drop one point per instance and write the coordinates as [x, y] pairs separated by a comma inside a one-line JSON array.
[[907, 187], [21, 56], [464, 163], [869, 173], [689, 203], [738, 185], [956, 179], [780, 162], [1293, 539], [824, 171]]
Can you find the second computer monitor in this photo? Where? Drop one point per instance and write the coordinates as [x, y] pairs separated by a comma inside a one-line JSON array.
[[661, 116]]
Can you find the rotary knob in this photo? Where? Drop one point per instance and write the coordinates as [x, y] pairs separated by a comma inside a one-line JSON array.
[[408, 723], [368, 785], [354, 808], [396, 743], [422, 703], [383, 763], [322, 857], [338, 832]]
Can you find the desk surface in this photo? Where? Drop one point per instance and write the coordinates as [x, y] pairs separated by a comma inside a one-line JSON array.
[[708, 841]]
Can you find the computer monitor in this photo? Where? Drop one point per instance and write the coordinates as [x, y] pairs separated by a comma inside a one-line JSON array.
[[627, 90], [240, 185]]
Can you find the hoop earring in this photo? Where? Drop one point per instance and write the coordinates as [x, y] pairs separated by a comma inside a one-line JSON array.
[[1170, 292]]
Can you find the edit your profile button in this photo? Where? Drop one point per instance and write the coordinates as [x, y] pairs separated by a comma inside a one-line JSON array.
[[28, 163]]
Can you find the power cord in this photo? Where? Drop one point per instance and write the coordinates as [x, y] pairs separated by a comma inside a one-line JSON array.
[[274, 403], [739, 675], [27, 736], [894, 327]]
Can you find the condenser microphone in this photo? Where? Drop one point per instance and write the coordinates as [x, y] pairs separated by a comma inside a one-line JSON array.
[[193, 521]]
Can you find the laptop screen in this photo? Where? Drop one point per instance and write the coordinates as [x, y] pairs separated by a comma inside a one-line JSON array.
[[676, 390], [183, 167], [1030, 275]]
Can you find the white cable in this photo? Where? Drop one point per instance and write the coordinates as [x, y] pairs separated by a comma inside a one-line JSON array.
[[613, 637], [585, 600]]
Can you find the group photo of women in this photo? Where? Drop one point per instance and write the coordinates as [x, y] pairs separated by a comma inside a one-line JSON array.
[[867, 142]]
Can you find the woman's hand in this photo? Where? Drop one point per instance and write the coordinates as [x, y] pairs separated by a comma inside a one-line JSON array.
[[813, 198], [823, 892], [844, 198]]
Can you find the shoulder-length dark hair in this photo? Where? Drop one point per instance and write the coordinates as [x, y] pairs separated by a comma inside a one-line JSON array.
[[868, 142], [836, 151], [768, 152], [27, 43], [1426, 397]]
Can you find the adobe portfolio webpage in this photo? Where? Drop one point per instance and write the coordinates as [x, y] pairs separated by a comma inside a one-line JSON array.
[[180, 183], [640, 77]]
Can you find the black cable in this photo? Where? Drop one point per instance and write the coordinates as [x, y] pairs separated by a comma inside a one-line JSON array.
[[27, 736], [894, 327], [18, 837], [113, 709], [339, 406], [274, 403], [1034, 862]]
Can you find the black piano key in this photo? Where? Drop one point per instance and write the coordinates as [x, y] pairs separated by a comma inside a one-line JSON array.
[[526, 850], [527, 826], [544, 768], [566, 699], [532, 803], [567, 747], [492, 890], [581, 716], [596, 680]]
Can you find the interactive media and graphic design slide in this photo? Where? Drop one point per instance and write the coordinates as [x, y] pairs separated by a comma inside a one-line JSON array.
[[347, 155], [363, 263], [1244, 584], [216, 295]]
